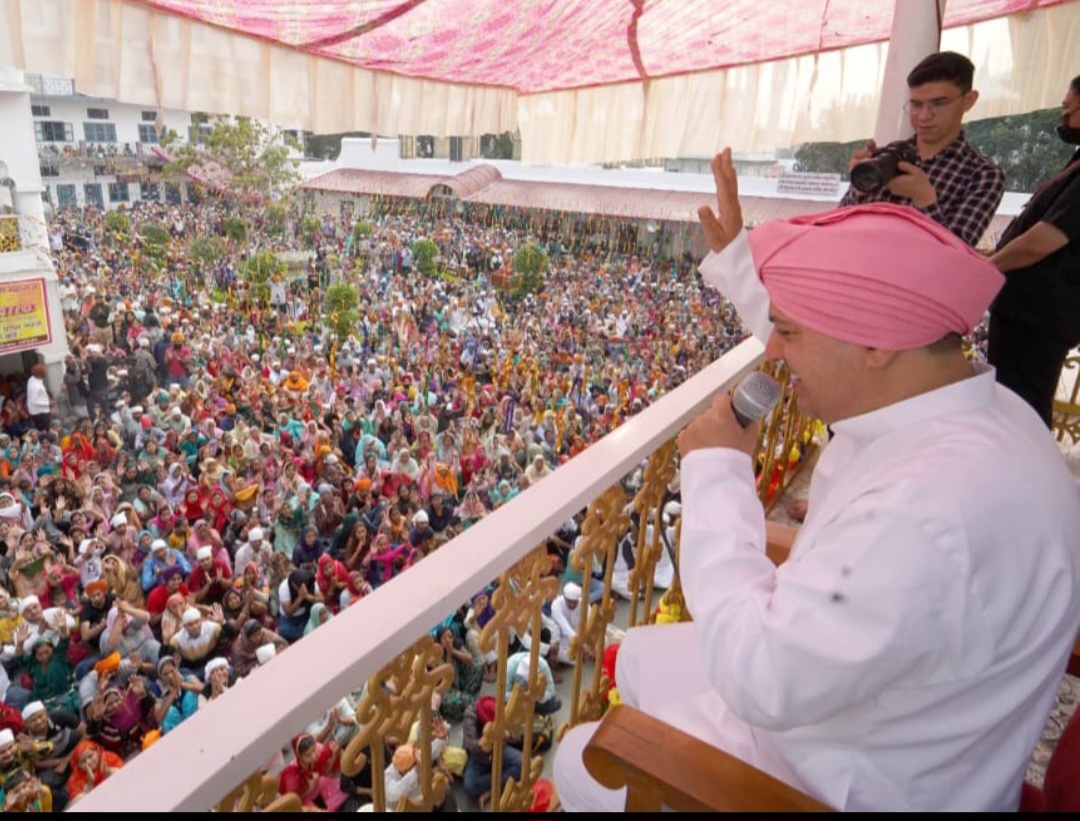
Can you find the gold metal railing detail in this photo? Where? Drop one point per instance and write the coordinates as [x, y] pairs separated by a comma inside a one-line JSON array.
[[648, 502], [397, 696], [1065, 419], [605, 523], [517, 601], [782, 441], [259, 793]]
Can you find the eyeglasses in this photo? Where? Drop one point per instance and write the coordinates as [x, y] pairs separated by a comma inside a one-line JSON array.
[[933, 106]]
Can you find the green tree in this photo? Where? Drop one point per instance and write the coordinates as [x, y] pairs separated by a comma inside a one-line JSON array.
[[424, 252], [310, 227], [155, 234], [252, 158], [258, 271], [362, 229], [530, 263], [826, 158], [208, 251], [235, 228], [530, 259], [117, 223], [1025, 146], [275, 218], [340, 305]]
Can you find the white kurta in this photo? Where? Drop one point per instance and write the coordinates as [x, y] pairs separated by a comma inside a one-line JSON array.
[[906, 655], [567, 620]]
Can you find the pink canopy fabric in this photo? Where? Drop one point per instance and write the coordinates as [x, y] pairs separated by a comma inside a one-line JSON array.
[[582, 81], [534, 46]]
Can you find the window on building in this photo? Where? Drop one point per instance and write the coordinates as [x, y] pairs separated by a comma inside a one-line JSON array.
[[456, 152], [197, 134], [41, 110], [49, 170], [147, 134], [149, 116], [65, 195], [53, 132], [97, 113], [92, 194], [118, 192], [149, 192], [172, 194], [199, 117], [99, 132]]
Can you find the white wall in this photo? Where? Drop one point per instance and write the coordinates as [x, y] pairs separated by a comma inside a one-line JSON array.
[[127, 118], [18, 151]]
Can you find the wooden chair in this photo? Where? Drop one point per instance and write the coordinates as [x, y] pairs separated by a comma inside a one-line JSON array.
[[690, 775]]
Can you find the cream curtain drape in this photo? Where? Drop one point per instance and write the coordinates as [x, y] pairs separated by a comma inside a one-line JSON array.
[[138, 55]]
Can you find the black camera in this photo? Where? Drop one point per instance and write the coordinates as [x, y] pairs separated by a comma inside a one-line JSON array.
[[870, 175]]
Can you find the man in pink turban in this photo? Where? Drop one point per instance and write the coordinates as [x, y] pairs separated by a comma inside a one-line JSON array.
[[907, 653]]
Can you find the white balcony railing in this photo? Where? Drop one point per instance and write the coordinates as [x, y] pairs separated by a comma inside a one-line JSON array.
[[219, 747]]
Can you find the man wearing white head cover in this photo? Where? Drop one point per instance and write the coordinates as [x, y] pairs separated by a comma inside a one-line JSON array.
[[255, 549], [197, 640], [907, 653], [566, 613]]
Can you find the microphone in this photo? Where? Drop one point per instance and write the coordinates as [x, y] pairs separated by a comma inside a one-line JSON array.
[[754, 397]]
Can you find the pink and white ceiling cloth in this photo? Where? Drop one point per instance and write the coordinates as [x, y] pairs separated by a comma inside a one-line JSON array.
[[584, 80]]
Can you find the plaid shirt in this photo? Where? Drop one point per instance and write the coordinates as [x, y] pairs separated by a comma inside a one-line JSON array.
[[969, 188]]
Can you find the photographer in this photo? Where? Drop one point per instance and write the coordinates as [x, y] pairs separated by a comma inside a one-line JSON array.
[[951, 183]]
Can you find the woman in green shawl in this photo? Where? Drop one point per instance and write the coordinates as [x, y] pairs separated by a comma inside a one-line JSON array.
[[320, 614]]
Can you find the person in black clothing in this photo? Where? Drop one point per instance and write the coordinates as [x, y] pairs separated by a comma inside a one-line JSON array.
[[1035, 320], [92, 622], [440, 515], [98, 381]]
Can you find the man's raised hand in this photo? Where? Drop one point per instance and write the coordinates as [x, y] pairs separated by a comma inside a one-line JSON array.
[[721, 230]]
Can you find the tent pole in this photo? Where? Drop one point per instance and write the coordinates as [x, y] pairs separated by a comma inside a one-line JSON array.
[[916, 33]]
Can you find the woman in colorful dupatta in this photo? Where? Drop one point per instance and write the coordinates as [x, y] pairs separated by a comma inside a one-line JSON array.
[[119, 718], [193, 505], [332, 578], [480, 613], [90, 765], [313, 773]]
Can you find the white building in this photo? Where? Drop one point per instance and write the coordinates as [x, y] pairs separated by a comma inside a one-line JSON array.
[[31, 321], [99, 152]]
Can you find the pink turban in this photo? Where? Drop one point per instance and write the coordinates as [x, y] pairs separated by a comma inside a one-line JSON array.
[[879, 275]]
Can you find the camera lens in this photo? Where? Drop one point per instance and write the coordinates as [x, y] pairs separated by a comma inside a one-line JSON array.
[[867, 177]]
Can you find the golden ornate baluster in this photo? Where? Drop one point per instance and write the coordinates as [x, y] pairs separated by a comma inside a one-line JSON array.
[[517, 602], [673, 603], [259, 792], [658, 473], [398, 695], [604, 525]]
